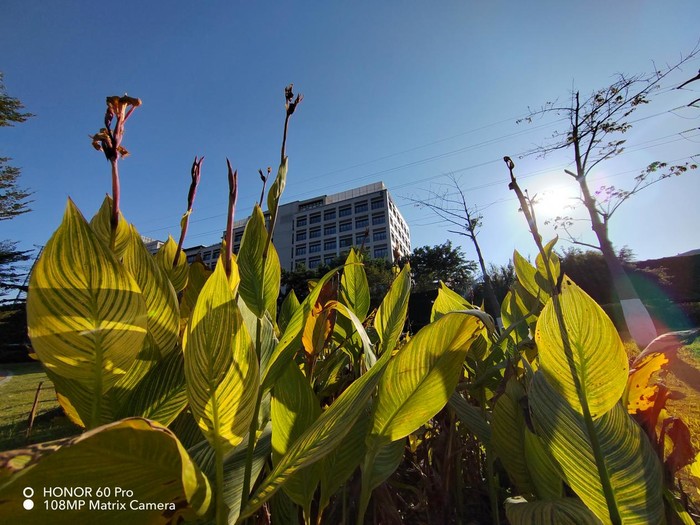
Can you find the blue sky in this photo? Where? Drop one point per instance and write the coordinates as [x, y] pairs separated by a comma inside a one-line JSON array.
[[404, 92]]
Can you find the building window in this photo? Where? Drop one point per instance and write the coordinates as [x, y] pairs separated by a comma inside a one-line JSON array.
[[329, 215], [315, 247], [313, 204], [360, 207], [314, 262], [215, 255], [328, 260], [301, 250], [345, 211], [315, 218], [345, 242], [379, 235], [345, 226], [381, 251], [314, 233], [329, 229], [301, 221], [362, 222], [377, 204], [191, 258], [238, 236], [360, 238], [378, 219], [301, 236], [206, 256], [329, 245]]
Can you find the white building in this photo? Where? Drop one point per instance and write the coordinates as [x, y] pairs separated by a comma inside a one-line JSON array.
[[316, 231]]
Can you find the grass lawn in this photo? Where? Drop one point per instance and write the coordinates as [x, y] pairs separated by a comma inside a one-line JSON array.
[[18, 385]]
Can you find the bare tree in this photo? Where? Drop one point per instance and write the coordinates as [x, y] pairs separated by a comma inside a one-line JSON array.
[[451, 206], [594, 134]]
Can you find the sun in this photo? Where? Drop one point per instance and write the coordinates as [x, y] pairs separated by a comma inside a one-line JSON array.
[[554, 202]]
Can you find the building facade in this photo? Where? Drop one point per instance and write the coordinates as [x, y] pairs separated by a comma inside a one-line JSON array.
[[315, 231]]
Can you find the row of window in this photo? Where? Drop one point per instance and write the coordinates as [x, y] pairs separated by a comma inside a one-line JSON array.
[[345, 241], [343, 211], [343, 226], [315, 262]]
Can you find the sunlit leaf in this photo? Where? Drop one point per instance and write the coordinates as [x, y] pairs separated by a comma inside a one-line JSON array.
[[101, 225], [391, 315], [630, 462], [354, 288], [133, 454], [165, 257], [422, 377], [260, 278], [294, 409], [563, 511], [220, 365], [597, 367], [86, 314], [448, 301]]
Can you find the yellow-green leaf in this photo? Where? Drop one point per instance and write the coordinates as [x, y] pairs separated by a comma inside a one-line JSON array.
[[86, 314], [294, 409], [354, 288], [260, 279], [137, 455], [448, 301], [631, 464], [220, 365], [597, 368], [563, 511], [472, 418], [289, 306], [543, 470], [198, 275], [422, 377], [530, 278], [508, 436], [160, 297], [391, 314], [377, 466], [101, 225], [177, 274]]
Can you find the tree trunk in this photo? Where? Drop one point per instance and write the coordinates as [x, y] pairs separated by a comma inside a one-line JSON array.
[[490, 300], [639, 322]]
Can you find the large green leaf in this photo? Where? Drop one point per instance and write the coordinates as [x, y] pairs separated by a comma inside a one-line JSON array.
[[165, 257], [422, 377], [544, 472], [295, 407], [289, 306], [563, 511], [447, 301], [197, 276], [220, 365], [391, 315], [160, 394], [630, 462], [323, 436], [101, 225], [276, 190], [354, 288], [472, 418], [508, 436], [160, 297], [260, 279], [339, 465], [598, 359], [133, 454], [530, 279], [86, 314]]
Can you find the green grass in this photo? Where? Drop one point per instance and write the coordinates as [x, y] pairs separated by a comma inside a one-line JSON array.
[[16, 399]]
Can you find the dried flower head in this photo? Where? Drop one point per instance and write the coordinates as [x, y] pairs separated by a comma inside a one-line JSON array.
[[107, 140], [291, 102]]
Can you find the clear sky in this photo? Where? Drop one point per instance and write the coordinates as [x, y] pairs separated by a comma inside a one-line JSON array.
[[400, 91]]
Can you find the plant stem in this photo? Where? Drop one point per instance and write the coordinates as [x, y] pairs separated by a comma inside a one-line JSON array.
[[114, 222]]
